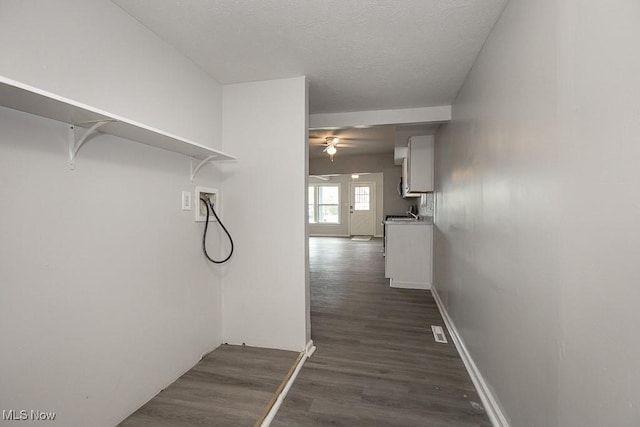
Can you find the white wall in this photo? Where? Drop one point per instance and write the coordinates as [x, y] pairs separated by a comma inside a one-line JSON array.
[[265, 207], [106, 297], [342, 229], [92, 52], [537, 235]]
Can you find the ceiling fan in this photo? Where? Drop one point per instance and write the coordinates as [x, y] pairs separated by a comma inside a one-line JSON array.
[[330, 143]]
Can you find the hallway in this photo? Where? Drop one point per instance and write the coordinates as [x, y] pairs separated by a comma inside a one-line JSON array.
[[376, 361]]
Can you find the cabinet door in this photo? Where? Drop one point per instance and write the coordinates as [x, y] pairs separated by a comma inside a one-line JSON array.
[[420, 164], [409, 256]]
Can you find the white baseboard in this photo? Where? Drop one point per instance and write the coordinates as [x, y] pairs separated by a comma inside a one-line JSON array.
[[486, 395], [309, 349]]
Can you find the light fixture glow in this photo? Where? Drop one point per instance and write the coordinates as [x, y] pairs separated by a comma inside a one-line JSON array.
[[331, 150], [355, 176]]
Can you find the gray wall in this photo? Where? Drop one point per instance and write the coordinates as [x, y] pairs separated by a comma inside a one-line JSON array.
[[393, 203], [342, 229], [346, 164], [537, 217]]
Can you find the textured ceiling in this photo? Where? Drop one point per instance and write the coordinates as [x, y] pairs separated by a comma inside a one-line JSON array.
[[358, 54]]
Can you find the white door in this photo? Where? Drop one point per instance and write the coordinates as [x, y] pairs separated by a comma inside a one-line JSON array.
[[362, 209]]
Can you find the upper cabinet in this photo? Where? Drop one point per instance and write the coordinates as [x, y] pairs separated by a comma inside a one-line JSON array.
[[417, 167]]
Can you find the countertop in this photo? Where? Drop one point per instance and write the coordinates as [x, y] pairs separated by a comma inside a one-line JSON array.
[[421, 221]]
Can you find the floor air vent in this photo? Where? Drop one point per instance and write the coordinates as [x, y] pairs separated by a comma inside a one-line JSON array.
[[438, 334]]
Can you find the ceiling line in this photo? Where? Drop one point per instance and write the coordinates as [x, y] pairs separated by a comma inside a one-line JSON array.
[[438, 114]]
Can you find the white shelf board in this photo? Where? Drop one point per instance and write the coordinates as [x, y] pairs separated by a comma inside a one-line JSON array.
[[19, 96]]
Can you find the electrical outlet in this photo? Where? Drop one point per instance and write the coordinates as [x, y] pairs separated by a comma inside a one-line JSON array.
[[186, 200], [208, 194]]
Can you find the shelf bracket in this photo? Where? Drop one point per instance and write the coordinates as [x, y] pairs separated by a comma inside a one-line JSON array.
[[74, 145], [202, 163]]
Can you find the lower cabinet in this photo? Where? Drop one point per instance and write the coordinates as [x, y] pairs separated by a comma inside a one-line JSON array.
[[409, 255]]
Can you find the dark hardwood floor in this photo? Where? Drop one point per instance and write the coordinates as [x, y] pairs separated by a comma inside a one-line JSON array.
[[231, 386], [376, 362]]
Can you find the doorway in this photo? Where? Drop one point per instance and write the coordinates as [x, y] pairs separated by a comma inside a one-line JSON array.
[[362, 208]]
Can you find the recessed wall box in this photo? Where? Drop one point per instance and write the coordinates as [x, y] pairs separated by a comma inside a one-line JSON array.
[[208, 194]]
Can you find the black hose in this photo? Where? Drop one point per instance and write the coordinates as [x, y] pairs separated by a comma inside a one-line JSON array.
[[204, 235]]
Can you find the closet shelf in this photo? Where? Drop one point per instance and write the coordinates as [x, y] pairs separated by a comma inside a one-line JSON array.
[[19, 96]]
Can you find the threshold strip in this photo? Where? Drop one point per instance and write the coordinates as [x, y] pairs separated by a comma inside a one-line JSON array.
[[279, 395]]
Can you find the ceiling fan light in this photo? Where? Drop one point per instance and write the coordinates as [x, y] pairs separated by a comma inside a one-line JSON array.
[[331, 150]]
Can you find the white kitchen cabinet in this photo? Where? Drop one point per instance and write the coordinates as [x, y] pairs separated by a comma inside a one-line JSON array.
[[417, 167], [409, 255]]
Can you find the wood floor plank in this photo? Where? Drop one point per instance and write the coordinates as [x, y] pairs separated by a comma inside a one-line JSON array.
[[229, 387], [376, 362]]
